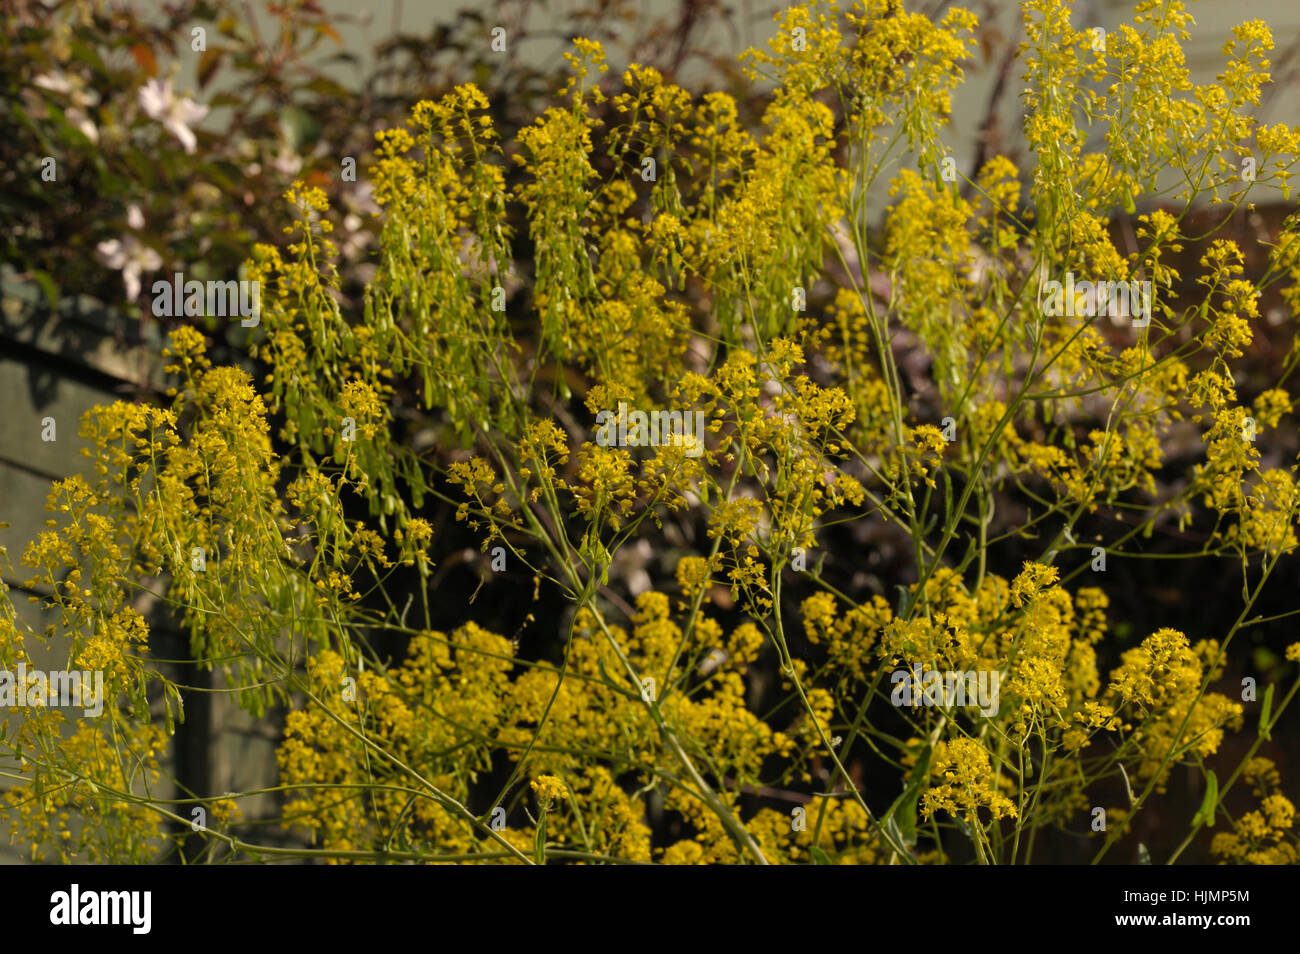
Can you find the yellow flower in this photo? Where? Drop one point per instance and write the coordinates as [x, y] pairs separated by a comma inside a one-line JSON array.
[[966, 782], [1033, 579], [548, 789]]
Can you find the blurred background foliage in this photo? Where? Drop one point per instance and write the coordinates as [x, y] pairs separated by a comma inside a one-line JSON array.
[[99, 87]]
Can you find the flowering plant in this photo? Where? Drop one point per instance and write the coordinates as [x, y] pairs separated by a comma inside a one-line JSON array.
[[734, 705]]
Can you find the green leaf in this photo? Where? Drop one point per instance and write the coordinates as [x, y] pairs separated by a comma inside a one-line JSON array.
[[1266, 659], [902, 814], [49, 287], [964, 827], [969, 555], [819, 857], [895, 832], [1206, 812], [299, 127], [904, 600], [21, 115], [539, 840], [1264, 731]]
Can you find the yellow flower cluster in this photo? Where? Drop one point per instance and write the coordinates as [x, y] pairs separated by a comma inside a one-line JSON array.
[[1266, 835], [549, 789], [966, 783]]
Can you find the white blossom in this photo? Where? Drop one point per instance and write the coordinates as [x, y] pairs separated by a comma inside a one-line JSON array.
[[176, 113], [129, 255]]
